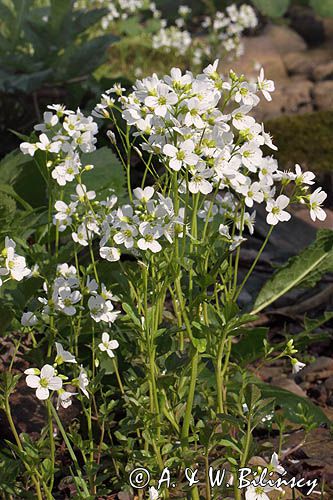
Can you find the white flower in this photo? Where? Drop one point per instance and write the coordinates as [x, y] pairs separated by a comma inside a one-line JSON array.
[[149, 238], [65, 398], [14, 265], [126, 235], [266, 86], [304, 177], [240, 119], [29, 319], [252, 192], [112, 254], [257, 492], [63, 356], [44, 382], [274, 465], [83, 381], [28, 149], [153, 493], [145, 194], [108, 345], [267, 138], [66, 171], [276, 210], [316, 199], [82, 194], [81, 236], [44, 144], [159, 103], [50, 120], [102, 310], [181, 155], [199, 182], [297, 365], [66, 300]]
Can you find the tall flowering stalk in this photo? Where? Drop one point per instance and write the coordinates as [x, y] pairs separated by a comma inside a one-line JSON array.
[[183, 227]]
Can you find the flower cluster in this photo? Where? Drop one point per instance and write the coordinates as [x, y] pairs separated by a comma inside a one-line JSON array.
[[223, 30], [12, 265], [65, 134], [200, 129], [48, 379]]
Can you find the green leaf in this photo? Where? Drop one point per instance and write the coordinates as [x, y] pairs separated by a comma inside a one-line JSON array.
[[82, 60], [289, 402], [199, 344], [108, 173], [6, 316], [250, 346], [59, 12], [305, 269], [272, 8], [323, 8]]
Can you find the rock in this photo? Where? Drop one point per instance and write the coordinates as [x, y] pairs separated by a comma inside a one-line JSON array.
[[323, 95], [291, 386], [305, 22], [329, 383], [289, 97], [285, 39], [322, 368], [258, 51], [297, 97], [304, 63], [328, 28], [323, 72], [303, 213]]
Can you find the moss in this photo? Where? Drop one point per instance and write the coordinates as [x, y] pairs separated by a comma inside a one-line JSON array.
[[306, 139]]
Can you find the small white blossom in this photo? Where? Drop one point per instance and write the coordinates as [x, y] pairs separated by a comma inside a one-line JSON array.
[[108, 345]]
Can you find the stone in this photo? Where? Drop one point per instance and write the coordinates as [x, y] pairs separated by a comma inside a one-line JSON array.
[[305, 22], [290, 385], [328, 28], [285, 39], [304, 63], [323, 71], [290, 96], [258, 51], [329, 384], [323, 95], [297, 96]]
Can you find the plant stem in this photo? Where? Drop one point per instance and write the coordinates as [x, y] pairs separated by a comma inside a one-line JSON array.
[[70, 449], [190, 398], [248, 274], [20, 447], [52, 446]]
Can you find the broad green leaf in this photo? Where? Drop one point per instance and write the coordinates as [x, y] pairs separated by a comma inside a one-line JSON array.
[[303, 270], [199, 344], [6, 316], [272, 8], [289, 401], [107, 174], [60, 9], [250, 346], [323, 8]]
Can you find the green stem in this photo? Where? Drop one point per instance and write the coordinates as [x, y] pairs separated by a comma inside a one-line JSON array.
[[52, 446], [70, 449], [20, 447], [248, 274], [115, 365], [219, 376], [190, 398]]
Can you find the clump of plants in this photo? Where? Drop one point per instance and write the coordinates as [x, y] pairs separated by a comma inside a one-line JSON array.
[[194, 41], [132, 313]]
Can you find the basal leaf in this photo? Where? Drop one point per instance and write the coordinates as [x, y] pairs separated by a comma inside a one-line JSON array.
[[303, 270]]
